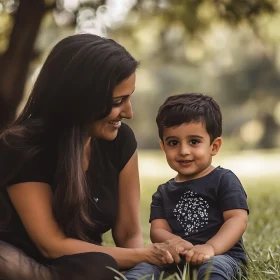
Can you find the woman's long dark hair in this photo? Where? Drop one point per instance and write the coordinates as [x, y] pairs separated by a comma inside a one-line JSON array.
[[74, 88]]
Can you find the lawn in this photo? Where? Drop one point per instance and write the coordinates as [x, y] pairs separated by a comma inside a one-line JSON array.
[[262, 238]]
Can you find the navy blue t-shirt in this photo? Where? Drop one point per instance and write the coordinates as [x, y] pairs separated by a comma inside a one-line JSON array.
[[194, 209]]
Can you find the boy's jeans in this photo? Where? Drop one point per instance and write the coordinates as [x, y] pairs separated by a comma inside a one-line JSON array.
[[221, 267], [143, 269]]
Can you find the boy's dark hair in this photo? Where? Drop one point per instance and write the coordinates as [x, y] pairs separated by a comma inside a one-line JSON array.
[[188, 108]]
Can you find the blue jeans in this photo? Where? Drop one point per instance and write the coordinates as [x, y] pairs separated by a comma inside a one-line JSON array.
[[222, 267], [143, 269]]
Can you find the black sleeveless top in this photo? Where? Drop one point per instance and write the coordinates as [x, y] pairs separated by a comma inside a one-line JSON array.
[[107, 160]]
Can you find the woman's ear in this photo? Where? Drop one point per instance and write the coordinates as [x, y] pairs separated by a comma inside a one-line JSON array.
[[216, 145]]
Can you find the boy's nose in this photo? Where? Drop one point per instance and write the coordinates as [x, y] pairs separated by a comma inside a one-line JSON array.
[[184, 150]]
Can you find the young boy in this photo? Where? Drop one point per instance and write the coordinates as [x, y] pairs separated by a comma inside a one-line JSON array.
[[203, 209]]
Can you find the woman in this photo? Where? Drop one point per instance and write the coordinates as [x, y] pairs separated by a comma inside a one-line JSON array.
[[68, 169]]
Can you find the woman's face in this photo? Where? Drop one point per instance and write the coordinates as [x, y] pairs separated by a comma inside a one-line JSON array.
[[107, 128]]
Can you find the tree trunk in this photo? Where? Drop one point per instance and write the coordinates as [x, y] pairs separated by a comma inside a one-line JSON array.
[[14, 63]]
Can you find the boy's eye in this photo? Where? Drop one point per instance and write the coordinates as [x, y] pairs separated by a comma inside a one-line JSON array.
[[194, 142], [172, 143]]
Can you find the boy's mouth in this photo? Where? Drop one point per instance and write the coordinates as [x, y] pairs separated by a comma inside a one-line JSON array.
[[185, 161]]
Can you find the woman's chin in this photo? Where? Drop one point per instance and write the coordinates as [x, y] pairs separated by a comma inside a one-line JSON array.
[[110, 136]]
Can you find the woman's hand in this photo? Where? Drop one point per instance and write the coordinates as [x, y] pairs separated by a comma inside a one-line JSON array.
[[161, 232], [177, 246], [158, 254]]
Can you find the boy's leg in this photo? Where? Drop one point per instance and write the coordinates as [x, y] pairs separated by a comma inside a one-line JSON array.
[[221, 267], [143, 269]]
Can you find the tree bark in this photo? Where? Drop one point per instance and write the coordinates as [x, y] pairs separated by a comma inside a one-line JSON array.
[[14, 63]]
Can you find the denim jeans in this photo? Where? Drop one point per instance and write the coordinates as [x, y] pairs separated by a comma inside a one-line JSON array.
[[222, 267], [143, 269]]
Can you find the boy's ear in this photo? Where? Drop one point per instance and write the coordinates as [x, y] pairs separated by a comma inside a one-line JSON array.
[[216, 145], [161, 145]]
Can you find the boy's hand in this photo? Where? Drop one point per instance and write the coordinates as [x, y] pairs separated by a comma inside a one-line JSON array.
[[199, 254], [176, 246]]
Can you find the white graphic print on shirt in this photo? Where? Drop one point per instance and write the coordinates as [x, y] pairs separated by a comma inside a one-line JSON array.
[[191, 212]]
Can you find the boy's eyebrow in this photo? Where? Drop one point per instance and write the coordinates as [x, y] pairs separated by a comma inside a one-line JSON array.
[[189, 136], [170, 137], [195, 136]]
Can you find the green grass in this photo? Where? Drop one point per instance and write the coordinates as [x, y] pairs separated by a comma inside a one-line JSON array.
[[262, 238]]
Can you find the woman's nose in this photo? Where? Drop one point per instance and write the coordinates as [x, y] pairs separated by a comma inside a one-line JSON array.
[[127, 111]]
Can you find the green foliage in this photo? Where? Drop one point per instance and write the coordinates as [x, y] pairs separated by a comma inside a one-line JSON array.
[[235, 11], [189, 12]]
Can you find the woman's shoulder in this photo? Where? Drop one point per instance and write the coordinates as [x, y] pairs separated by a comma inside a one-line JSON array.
[[18, 165], [125, 131], [124, 137], [8, 153], [121, 149]]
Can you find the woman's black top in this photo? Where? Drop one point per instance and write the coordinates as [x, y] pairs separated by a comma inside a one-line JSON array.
[[108, 158]]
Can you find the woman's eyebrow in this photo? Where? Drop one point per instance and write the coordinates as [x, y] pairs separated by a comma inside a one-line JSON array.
[[125, 95], [121, 96]]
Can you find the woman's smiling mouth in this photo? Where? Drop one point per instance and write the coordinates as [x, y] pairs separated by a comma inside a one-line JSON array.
[[116, 124]]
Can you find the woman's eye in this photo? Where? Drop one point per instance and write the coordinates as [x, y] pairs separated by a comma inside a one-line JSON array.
[[172, 143], [117, 103]]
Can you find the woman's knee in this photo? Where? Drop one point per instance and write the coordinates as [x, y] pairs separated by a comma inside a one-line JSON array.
[[107, 264], [86, 266]]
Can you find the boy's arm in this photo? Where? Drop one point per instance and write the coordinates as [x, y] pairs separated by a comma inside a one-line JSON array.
[[232, 200], [161, 232], [230, 232]]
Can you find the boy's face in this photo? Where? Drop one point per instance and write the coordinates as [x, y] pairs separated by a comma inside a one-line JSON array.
[[188, 150]]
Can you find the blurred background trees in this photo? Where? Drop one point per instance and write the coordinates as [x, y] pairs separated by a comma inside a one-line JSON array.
[[226, 48]]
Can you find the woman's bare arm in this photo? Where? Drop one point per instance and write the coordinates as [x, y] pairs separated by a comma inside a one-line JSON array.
[[32, 201], [127, 231]]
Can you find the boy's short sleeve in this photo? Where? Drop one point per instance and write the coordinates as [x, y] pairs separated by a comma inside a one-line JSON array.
[[157, 209], [231, 193]]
